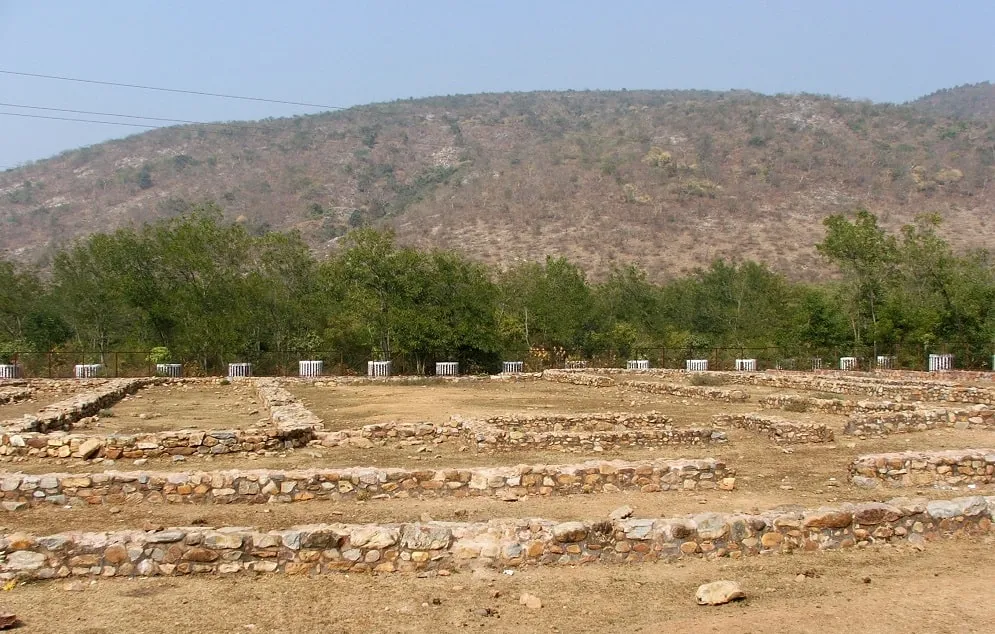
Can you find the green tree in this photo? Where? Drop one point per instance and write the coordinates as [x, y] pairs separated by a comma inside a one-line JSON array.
[[867, 256], [548, 305]]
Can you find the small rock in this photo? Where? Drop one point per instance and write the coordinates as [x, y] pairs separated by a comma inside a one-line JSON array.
[[74, 586], [179, 459], [621, 513], [569, 532], [114, 510], [89, 448], [530, 601], [866, 579], [727, 484], [7, 619], [719, 592], [425, 517], [141, 461]]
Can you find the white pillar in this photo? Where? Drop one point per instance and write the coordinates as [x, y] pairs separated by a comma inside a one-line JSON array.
[[310, 368], [816, 363], [746, 365], [239, 369], [10, 371], [512, 367], [378, 369], [447, 368], [885, 362], [848, 363], [168, 369], [88, 370], [940, 362], [637, 364], [696, 365]]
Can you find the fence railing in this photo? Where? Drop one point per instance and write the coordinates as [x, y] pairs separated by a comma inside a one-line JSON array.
[[332, 363]]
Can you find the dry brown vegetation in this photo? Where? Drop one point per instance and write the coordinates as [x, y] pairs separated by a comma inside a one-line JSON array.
[[664, 179]]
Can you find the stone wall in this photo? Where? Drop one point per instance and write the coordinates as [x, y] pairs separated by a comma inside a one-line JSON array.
[[941, 469], [14, 394], [905, 386], [500, 544], [688, 391], [183, 442], [568, 433], [48, 435], [361, 483], [62, 415], [329, 381], [920, 419], [879, 387], [539, 423], [578, 378], [777, 429], [285, 410]]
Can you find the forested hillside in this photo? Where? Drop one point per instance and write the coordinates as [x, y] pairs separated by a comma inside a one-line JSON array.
[[209, 292], [666, 180]]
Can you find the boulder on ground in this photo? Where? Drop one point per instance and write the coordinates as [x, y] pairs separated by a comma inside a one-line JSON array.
[[719, 592]]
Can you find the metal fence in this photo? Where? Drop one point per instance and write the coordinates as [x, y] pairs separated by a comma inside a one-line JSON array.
[[339, 363]]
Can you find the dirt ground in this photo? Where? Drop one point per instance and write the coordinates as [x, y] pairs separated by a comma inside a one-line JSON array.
[[348, 406], [810, 475], [183, 406], [946, 588], [31, 405]]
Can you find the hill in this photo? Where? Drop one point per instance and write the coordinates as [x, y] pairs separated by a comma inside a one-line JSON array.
[[970, 101], [665, 179]]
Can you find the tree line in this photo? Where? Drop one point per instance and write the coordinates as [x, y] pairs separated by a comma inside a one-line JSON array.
[[211, 292]]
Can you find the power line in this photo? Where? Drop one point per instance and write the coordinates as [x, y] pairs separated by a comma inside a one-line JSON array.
[[101, 114], [174, 90], [43, 116]]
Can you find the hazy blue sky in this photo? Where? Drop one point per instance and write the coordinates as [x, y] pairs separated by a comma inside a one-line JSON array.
[[348, 53]]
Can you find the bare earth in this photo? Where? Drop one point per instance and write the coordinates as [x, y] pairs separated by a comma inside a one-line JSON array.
[[31, 405], [945, 588], [184, 406]]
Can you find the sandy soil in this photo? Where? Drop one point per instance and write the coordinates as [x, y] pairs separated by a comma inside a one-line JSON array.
[[349, 406], [31, 405], [946, 588], [184, 406], [810, 475]]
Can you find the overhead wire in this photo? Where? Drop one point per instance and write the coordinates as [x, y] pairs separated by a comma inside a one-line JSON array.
[[44, 116], [201, 93], [91, 112], [247, 125]]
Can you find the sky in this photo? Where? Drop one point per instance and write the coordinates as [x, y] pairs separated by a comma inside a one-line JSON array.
[[336, 53]]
